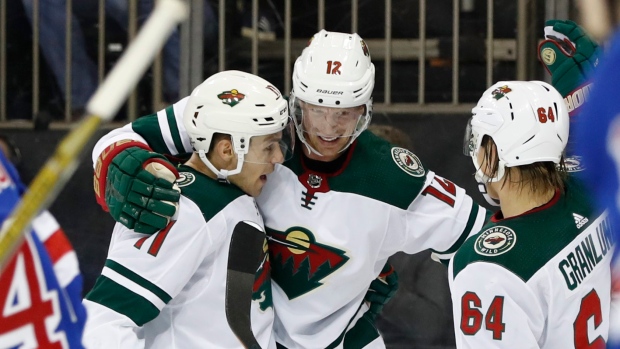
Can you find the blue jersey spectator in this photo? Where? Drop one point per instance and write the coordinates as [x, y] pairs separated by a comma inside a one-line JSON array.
[[40, 287]]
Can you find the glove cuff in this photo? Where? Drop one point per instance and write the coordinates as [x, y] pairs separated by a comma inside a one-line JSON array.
[[103, 163], [387, 270], [163, 162], [576, 98]]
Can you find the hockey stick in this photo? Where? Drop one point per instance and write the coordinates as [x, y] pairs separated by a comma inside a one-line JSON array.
[[102, 106], [245, 256]]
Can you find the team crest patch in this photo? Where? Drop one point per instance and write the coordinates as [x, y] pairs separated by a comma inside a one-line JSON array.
[[500, 92], [232, 97], [495, 241], [408, 162], [574, 164], [185, 179]]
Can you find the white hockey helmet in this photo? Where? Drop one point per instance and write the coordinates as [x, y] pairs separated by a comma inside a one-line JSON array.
[[333, 71], [527, 120], [239, 104]]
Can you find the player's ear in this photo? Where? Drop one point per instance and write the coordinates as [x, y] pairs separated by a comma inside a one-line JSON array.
[[224, 149]]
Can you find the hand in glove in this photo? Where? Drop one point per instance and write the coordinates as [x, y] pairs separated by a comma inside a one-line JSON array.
[[138, 188]]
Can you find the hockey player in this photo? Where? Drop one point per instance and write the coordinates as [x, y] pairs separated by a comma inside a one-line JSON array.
[[168, 290], [337, 210], [41, 286], [538, 274]]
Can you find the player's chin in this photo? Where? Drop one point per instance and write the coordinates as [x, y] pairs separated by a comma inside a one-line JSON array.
[[258, 186], [334, 149]]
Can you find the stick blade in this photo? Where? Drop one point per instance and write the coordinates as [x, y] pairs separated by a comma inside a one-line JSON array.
[[245, 256]]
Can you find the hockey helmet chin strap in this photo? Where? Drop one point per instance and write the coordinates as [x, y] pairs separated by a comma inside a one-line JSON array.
[[222, 175], [483, 179], [482, 187]]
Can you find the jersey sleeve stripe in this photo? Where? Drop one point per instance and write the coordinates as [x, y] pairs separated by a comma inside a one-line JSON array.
[[133, 287], [152, 132], [475, 221], [45, 225], [66, 268], [139, 280], [164, 127], [174, 130], [179, 108], [57, 245], [122, 300]]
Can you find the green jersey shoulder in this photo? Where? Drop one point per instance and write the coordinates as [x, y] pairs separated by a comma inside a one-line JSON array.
[[376, 169], [207, 193], [525, 243]]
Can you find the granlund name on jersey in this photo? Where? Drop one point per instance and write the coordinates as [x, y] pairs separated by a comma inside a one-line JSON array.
[[331, 231], [170, 287], [538, 280]]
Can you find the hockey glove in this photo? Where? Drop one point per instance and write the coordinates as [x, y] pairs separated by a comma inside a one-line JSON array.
[[139, 189], [570, 56], [381, 290]]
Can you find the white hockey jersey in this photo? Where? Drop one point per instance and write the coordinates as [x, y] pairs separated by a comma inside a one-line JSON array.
[[537, 280], [167, 290], [332, 227]]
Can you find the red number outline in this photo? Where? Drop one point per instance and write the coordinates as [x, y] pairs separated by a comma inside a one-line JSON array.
[[470, 305], [447, 186]]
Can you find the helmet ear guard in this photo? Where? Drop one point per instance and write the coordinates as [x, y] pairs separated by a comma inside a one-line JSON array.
[[528, 121], [333, 71], [235, 103]]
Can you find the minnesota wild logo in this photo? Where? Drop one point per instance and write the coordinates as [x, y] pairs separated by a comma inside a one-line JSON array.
[[232, 97], [495, 241], [500, 92], [299, 263], [261, 290], [185, 179]]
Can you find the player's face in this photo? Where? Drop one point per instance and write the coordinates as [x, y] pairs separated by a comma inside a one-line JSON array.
[[263, 154], [328, 130]]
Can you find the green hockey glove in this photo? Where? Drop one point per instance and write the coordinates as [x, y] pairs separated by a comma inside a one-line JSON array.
[[137, 187], [381, 290], [570, 56]]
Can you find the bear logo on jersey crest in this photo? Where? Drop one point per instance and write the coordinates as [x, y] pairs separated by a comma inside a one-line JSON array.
[[299, 263], [408, 162], [495, 241]]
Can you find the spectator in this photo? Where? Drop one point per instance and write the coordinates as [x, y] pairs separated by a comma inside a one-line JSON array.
[[52, 20]]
